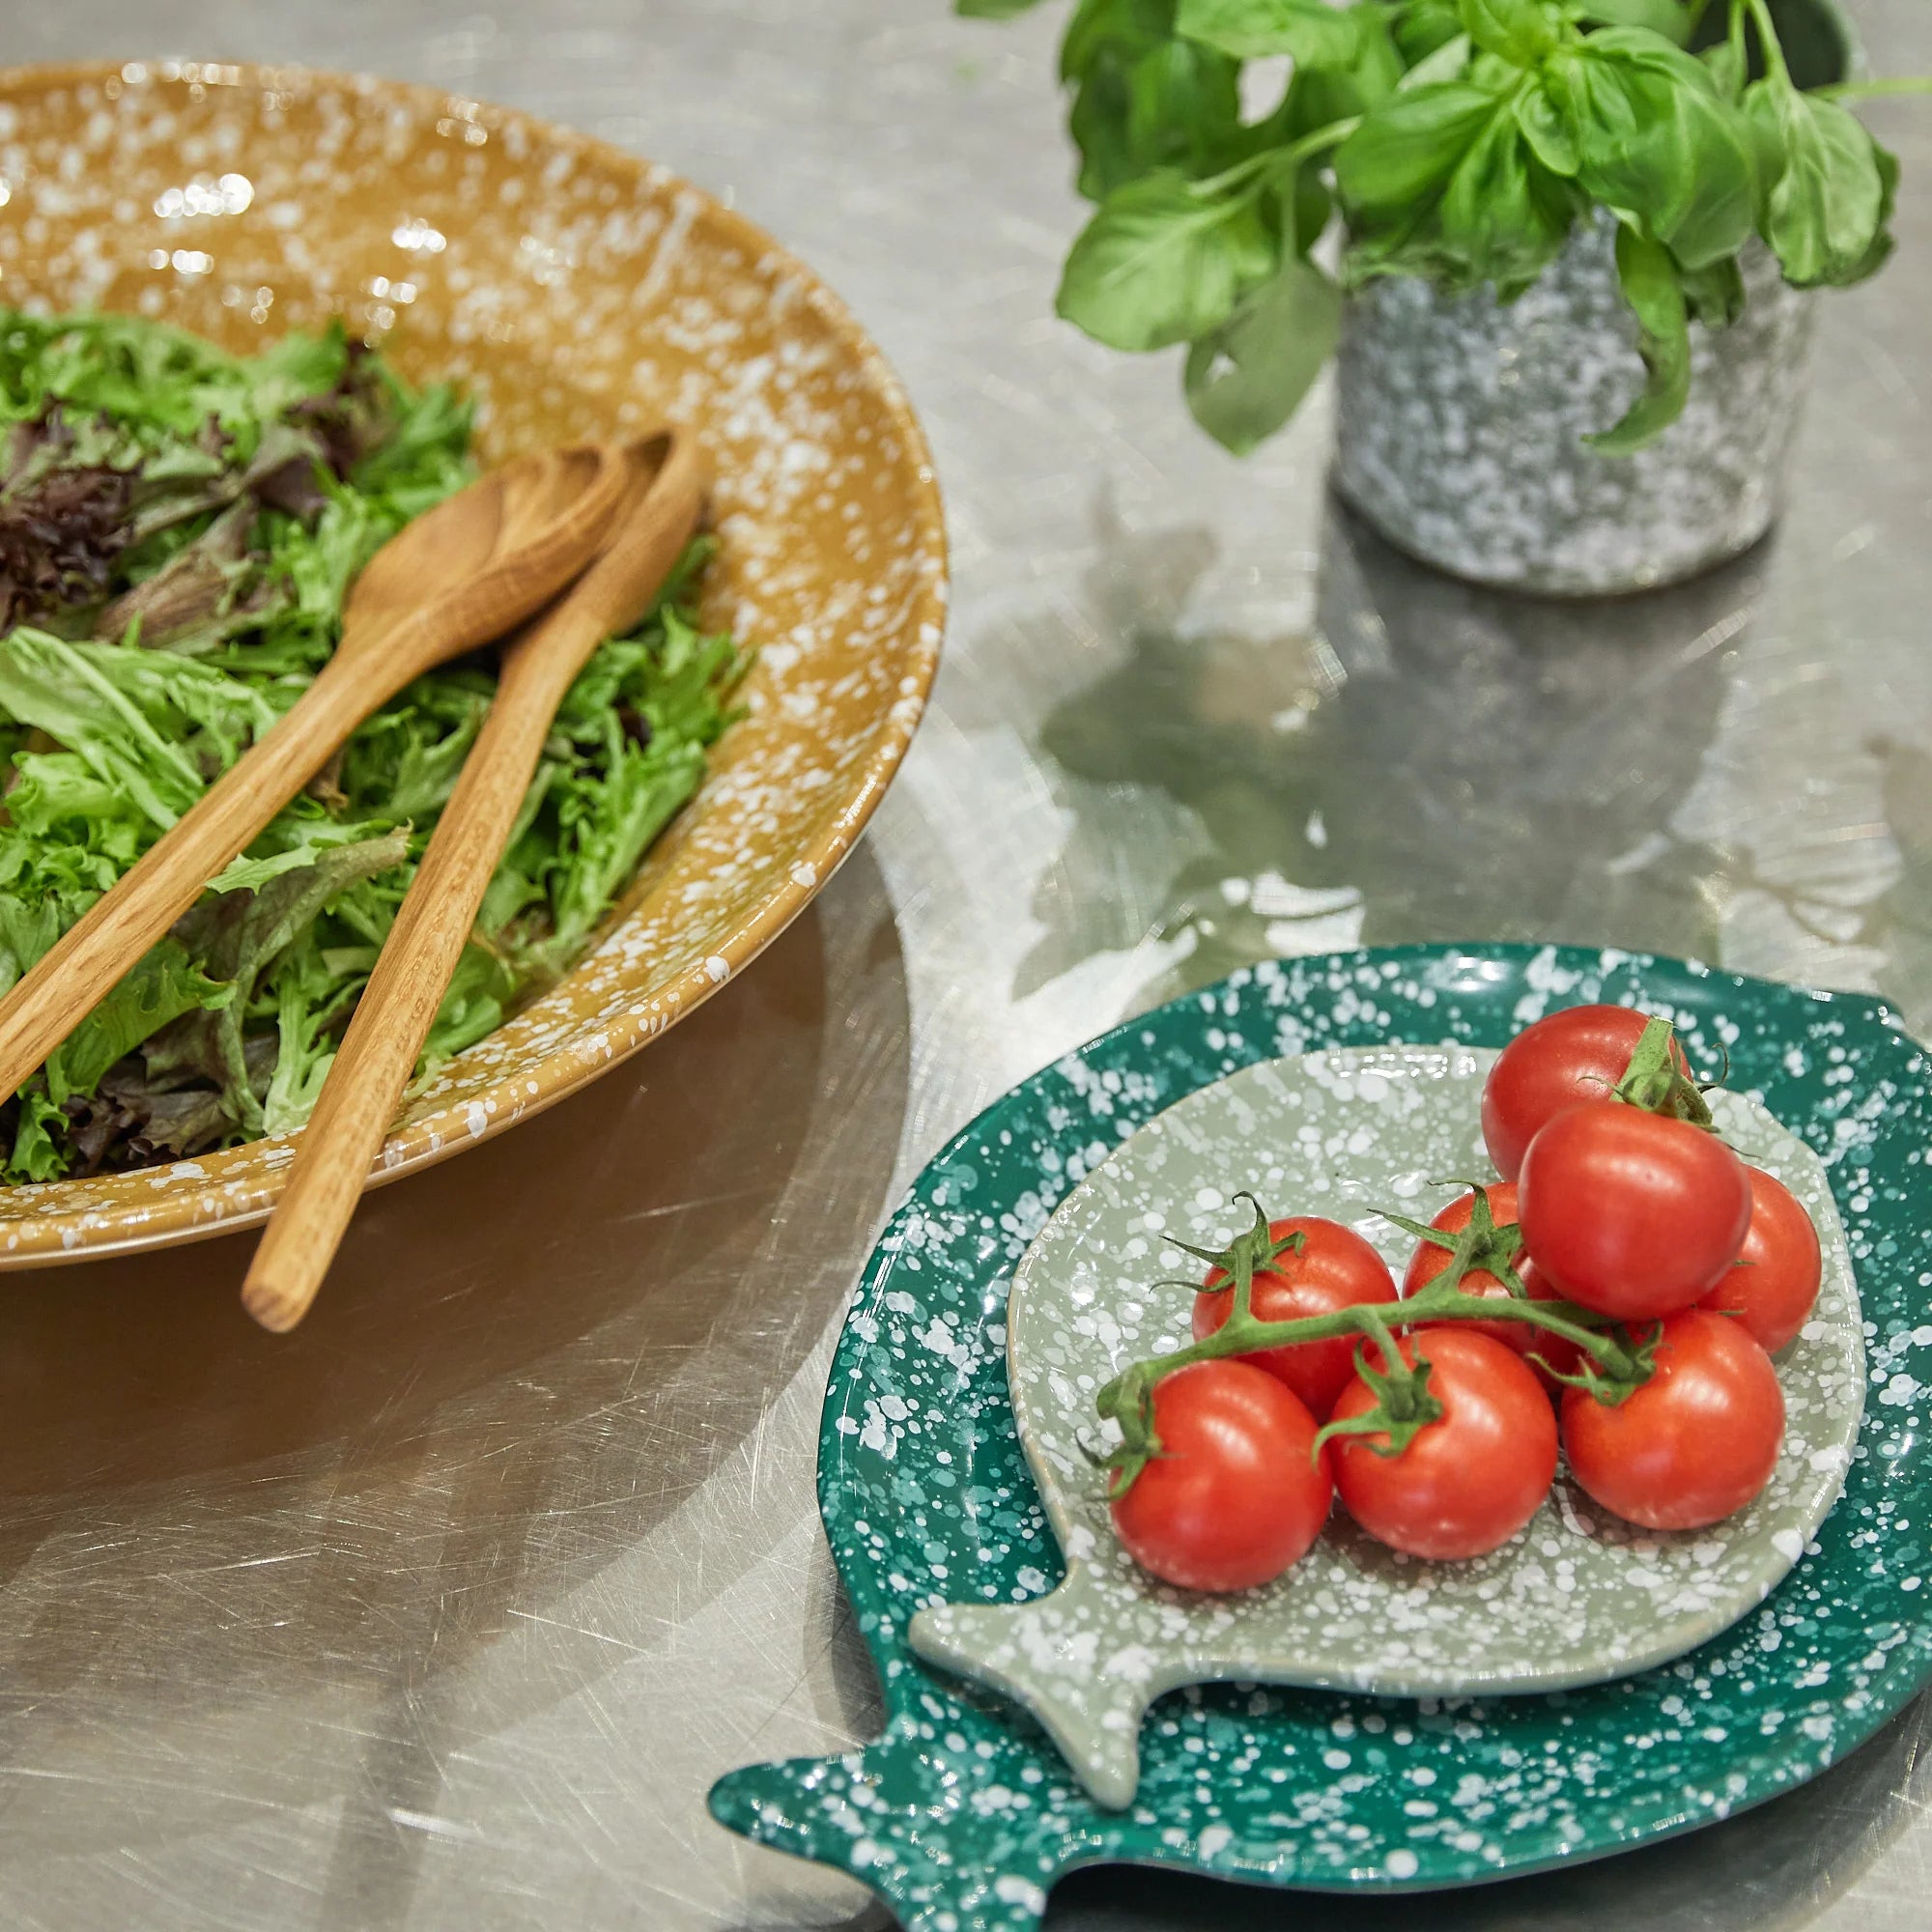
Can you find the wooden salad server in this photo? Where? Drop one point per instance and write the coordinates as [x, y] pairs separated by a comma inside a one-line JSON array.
[[458, 575], [365, 1085]]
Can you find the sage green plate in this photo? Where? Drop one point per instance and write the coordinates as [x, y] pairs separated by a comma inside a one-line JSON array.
[[963, 1813], [1577, 1599]]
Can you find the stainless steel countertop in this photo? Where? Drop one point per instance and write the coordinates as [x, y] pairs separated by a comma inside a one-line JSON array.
[[443, 1613]]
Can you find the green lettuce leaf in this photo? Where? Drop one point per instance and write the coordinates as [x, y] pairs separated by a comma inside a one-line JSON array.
[[232, 503], [234, 937]]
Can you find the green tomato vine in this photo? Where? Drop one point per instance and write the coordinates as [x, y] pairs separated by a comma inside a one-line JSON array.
[[1614, 1361]]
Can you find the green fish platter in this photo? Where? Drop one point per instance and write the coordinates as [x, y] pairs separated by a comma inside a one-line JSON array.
[[964, 1813]]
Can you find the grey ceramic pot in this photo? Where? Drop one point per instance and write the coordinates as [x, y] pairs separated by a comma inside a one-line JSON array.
[[1462, 422]]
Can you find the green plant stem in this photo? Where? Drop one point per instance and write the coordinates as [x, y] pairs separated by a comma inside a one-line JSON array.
[[1279, 160], [1698, 9], [1766, 33], [1737, 36], [1243, 1335], [1874, 90]]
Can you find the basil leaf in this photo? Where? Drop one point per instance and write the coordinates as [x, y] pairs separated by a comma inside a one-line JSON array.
[[1309, 208], [993, 9], [1183, 106], [1668, 17], [1655, 292], [1318, 96], [1883, 241], [1145, 101], [1105, 42], [1519, 31], [1717, 294], [1423, 26], [1449, 62], [1125, 28], [1549, 133], [1403, 155], [1246, 378], [1729, 70], [1825, 194], [1097, 122], [1655, 140], [1648, 54], [1499, 215], [1314, 33], [1503, 216], [1161, 263]]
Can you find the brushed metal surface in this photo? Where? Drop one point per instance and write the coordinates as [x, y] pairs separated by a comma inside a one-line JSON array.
[[443, 1612]]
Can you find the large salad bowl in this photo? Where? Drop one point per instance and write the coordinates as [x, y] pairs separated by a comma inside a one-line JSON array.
[[571, 290]]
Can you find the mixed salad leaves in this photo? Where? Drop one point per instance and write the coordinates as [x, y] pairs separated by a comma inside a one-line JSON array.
[[179, 530]]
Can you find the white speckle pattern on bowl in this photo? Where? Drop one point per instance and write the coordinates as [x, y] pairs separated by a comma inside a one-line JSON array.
[[572, 290]]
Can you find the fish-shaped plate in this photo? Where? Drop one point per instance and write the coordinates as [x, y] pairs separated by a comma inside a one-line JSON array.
[[1578, 1598], [962, 1814]]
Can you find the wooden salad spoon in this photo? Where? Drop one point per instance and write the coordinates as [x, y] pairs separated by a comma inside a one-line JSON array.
[[459, 576], [365, 1084]]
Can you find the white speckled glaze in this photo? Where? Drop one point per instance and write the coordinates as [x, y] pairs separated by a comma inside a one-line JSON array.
[[1577, 1598], [1460, 426], [572, 290]]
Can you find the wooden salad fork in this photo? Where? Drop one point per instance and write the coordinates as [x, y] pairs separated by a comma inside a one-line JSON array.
[[459, 576], [371, 1071]]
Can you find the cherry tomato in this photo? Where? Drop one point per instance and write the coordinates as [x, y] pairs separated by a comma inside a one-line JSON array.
[[1775, 1285], [1578, 1054], [1429, 1260], [1471, 1480], [1697, 1442], [1235, 1495], [1631, 1213], [1334, 1268]]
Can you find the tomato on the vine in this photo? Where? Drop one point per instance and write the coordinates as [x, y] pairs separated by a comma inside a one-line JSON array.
[[1333, 1268], [1469, 1481], [1697, 1442], [1429, 1260], [1631, 1214], [1775, 1285], [1235, 1491], [1581, 1053]]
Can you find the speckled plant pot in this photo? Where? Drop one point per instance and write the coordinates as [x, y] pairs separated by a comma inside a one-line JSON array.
[[1461, 426], [1462, 421]]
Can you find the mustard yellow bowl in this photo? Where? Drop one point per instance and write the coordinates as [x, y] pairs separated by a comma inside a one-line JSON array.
[[571, 289]]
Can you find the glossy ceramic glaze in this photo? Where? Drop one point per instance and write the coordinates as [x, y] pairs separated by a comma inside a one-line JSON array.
[[1578, 1598], [572, 290], [962, 1814]]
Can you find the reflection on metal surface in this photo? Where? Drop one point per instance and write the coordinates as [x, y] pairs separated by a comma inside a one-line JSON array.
[[1433, 759], [444, 1621], [1898, 923], [346, 1594]]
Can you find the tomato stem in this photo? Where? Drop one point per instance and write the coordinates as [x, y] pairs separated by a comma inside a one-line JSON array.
[[1480, 1247], [1247, 1335], [1614, 1366], [1614, 1390], [1616, 1363], [1403, 1406], [1656, 1081]]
